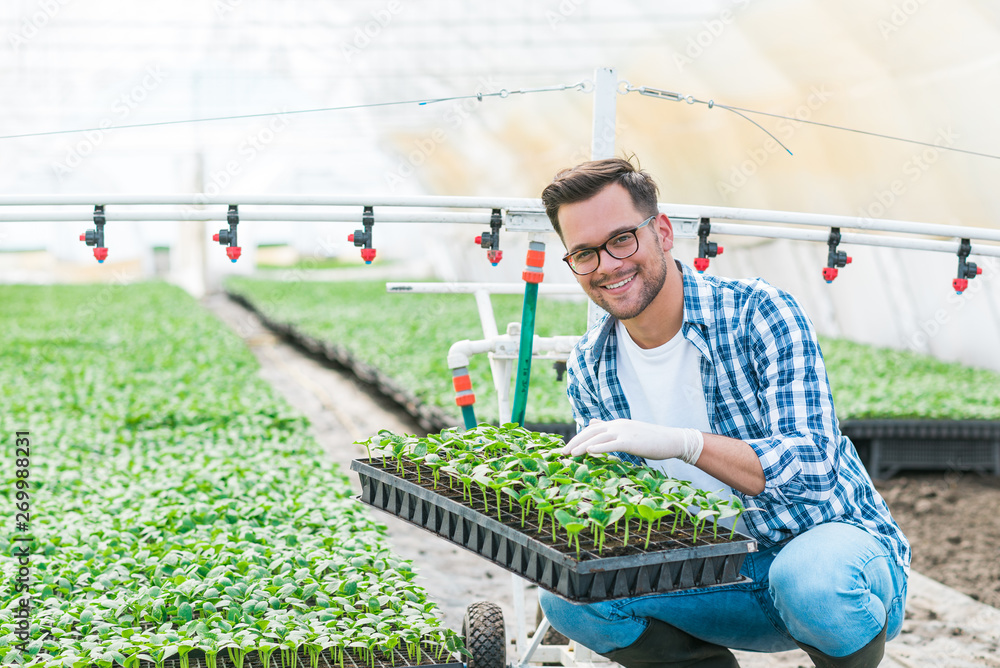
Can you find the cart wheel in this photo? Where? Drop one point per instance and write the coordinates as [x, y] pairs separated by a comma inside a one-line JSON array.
[[484, 635]]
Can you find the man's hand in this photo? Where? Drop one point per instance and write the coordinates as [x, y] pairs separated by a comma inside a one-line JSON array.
[[642, 439]]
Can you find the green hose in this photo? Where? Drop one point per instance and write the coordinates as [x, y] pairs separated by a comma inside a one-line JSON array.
[[469, 415], [532, 276]]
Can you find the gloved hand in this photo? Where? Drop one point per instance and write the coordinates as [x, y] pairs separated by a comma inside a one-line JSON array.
[[649, 441]]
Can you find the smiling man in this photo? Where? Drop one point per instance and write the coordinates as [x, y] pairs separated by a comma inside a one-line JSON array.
[[721, 383]]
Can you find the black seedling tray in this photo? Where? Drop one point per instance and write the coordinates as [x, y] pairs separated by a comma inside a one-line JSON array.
[[398, 659], [670, 567]]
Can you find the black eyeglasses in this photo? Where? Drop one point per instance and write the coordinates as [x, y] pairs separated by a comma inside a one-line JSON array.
[[622, 245]]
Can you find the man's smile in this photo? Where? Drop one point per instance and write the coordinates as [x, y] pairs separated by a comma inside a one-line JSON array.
[[621, 283]]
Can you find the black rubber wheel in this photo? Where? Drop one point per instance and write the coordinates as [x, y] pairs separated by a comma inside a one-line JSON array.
[[484, 635]]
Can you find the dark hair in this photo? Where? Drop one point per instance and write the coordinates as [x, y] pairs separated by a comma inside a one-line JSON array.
[[582, 182]]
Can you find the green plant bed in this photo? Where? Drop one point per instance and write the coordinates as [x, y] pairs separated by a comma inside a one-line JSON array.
[[407, 336], [872, 383], [176, 504]]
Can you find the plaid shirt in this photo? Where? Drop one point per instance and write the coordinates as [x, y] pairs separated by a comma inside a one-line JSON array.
[[765, 383]]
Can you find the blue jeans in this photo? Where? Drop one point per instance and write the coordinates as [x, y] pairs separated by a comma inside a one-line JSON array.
[[833, 587]]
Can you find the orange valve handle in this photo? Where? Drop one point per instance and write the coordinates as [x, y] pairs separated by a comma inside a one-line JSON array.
[[535, 263], [464, 396]]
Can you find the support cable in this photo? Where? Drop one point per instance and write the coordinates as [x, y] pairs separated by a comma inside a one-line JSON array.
[[584, 86], [625, 87]]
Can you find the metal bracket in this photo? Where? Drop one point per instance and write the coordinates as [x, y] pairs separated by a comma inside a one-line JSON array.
[[527, 221]]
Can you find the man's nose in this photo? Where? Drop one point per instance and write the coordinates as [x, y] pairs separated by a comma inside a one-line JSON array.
[[609, 261]]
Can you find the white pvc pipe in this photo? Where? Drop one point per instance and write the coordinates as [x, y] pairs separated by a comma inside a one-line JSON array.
[[507, 203], [492, 288], [196, 199], [849, 238], [219, 215], [826, 220], [460, 351]]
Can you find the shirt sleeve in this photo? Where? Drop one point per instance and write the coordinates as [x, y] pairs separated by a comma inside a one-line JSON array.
[[800, 457]]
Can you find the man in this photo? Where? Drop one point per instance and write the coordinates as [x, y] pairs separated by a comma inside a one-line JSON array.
[[720, 382]]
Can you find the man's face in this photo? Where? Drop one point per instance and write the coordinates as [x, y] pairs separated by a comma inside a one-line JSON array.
[[622, 287]]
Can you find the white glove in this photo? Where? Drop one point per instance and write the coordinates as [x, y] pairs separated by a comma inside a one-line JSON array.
[[649, 441]]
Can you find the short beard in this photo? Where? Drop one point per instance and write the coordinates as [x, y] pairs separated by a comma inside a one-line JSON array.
[[651, 288]]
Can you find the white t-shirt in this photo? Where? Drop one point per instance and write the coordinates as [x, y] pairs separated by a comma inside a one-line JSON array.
[[663, 386]]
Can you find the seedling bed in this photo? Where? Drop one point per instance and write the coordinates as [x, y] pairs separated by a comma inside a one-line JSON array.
[[398, 659], [670, 563]]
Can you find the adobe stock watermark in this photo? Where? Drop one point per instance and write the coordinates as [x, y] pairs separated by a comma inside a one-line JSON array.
[[121, 109], [899, 16], [98, 300], [712, 29], [564, 10], [928, 329], [224, 7], [610, 129], [32, 25], [785, 129], [913, 170], [249, 148], [364, 34], [425, 147]]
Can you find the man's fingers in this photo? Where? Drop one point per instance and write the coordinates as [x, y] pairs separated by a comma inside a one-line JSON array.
[[589, 444], [588, 432]]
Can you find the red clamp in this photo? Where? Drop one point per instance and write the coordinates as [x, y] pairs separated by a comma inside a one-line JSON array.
[[706, 249], [95, 237], [463, 386], [363, 238], [534, 266], [228, 237], [491, 240], [966, 270], [834, 258]]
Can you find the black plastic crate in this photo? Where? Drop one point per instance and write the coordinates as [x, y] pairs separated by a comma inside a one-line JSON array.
[[889, 446], [591, 579], [398, 659]]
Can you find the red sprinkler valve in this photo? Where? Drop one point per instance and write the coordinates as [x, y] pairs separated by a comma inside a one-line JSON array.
[[491, 240], [228, 237], [966, 270], [363, 238], [834, 258], [706, 249], [95, 237]]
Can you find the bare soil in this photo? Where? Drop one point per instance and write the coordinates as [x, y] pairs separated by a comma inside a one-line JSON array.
[[953, 523]]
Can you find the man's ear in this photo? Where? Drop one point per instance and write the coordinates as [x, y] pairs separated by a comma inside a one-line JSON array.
[[665, 230]]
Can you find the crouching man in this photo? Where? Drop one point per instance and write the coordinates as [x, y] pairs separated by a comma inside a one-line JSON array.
[[722, 383]]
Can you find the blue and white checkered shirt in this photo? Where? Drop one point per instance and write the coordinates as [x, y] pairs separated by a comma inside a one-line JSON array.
[[765, 383]]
